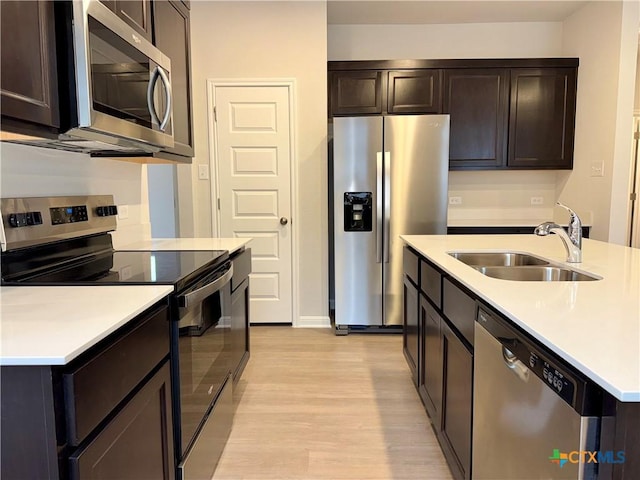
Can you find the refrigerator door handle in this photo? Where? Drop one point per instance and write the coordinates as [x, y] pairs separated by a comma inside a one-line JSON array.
[[378, 207], [387, 206]]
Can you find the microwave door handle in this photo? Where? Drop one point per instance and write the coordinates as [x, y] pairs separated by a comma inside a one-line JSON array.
[[150, 89], [201, 293], [169, 95]]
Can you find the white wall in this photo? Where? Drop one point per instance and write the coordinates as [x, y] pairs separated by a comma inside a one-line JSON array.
[[485, 195], [268, 40], [38, 172], [604, 113], [468, 40]]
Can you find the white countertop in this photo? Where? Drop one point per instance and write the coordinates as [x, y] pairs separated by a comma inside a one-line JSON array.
[[594, 325], [231, 244], [53, 325]]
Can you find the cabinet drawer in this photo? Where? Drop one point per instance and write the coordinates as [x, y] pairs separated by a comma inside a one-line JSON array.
[[137, 443], [431, 283], [241, 268], [95, 386], [410, 264], [459, 308]]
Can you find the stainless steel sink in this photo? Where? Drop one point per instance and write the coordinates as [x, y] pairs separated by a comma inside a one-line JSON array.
[[521, 267], [538, 273], [498, 259]]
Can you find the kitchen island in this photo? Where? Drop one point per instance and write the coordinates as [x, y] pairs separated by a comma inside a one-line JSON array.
[[594, 326]]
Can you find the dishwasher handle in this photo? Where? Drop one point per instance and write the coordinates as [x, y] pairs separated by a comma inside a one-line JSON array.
[[515, 365]]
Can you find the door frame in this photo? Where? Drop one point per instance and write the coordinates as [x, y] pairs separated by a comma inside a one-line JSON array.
[[290, 84]]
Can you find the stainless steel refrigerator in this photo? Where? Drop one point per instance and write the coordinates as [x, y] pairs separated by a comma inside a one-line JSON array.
[[390, 177]]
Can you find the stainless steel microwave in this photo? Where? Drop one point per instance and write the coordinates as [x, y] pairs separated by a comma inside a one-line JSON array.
[[115, 86]]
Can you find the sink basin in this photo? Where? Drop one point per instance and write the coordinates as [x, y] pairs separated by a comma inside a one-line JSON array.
[[538, 273], [498, 259]]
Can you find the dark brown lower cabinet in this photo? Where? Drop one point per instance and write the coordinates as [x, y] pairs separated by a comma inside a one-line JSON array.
[[430, 376], [410, 335], [240, 319], [457, 404], [137, 443], [105, 415]]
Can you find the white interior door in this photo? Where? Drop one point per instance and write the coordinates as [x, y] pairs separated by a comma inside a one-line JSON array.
[[253, 140]]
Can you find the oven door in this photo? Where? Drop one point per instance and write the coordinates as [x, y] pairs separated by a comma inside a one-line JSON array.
[[202, 350], [123, 82]]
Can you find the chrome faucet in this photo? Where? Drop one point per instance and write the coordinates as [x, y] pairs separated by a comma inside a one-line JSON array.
[[572, 238]]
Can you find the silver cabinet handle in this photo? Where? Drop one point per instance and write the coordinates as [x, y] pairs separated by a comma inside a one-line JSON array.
[[169, 97], [150, 89], [283, 221], [195, 297]]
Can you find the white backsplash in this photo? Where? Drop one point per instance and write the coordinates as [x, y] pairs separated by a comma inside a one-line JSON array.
[[37, 172], [492, 197]]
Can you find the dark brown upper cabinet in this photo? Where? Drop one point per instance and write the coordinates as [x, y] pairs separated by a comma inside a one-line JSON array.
[[505, 113], [172, 37], [137, 14], [356, 92], [29, 77], [542, 118], [477, 101], [415, 91]]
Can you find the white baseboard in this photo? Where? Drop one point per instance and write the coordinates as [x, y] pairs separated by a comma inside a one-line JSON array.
[[313, 322]]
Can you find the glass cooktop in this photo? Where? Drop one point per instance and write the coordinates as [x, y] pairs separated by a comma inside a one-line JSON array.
[[130, 267]]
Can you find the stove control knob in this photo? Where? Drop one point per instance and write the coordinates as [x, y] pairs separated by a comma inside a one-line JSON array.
[[17, 220], [34, 218], [107, 211]]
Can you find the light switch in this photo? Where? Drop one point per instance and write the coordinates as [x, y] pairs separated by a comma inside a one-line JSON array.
[[597, 169], [203, 172]]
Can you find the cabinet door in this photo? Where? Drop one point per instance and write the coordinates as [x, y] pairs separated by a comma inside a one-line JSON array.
[[356, 92], [137, 14], [171, 31], [410, 334], [415, 91], [239, 332], [137, 443], [29, 83], [477, 100], [542, 117], [430, 383], [457, 403]]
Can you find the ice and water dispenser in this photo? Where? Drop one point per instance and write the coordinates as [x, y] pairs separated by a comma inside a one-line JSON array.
[[358, 212]]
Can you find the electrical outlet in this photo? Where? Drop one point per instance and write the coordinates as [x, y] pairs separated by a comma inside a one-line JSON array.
[[597, 169], [455, 200], [123, 212], [203, 172], [537, 200], [125, 272]]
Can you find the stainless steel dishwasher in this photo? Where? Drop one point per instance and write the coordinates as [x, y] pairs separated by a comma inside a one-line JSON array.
[[533, 415]]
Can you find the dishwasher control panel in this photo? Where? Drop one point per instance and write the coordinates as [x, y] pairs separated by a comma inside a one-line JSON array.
[[552, 375], [556, 375]]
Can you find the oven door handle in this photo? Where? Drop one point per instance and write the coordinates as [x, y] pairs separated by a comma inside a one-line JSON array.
[[197, 296]]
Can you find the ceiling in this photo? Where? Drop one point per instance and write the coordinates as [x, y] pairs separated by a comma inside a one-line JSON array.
[[448, 11]]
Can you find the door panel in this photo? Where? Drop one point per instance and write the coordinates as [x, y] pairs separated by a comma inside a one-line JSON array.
[[417, 159], [357, 148], [253, 152]]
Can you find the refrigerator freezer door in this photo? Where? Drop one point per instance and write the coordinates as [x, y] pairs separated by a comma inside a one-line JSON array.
[[357, 144], [417, 160]]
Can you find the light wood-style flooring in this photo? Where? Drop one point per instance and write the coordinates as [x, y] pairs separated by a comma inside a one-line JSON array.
[[317, 406]]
